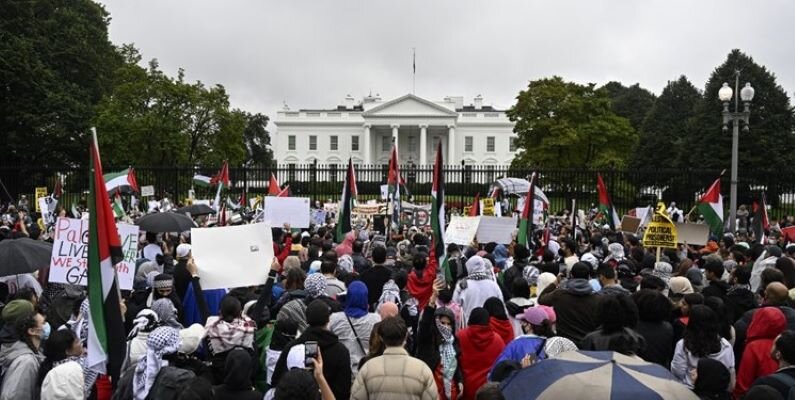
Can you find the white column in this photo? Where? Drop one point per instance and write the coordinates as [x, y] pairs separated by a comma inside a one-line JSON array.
[[451, 145], [423, 144], [366, 145], [395, 138]]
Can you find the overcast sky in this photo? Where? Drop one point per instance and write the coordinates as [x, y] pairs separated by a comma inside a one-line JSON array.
[[313, 53]]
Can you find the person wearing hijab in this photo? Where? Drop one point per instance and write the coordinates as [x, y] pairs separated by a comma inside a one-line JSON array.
[[480, 347], [498, 319], [712, 380], [354, 324], [766, 324], [226, 332], [314, 288], [478, 286], [153, 371], [145, 322], [346, 247], [166, 313], [438, 348], [237, 383], [284, 332]]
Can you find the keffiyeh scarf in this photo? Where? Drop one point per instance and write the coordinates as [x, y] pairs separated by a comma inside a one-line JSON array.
[[226, 336], [315, 285], [390, 292], [161, 341], [166, 312], [447, 355]]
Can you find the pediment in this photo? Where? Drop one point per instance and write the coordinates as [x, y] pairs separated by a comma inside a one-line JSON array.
[[409, 106]]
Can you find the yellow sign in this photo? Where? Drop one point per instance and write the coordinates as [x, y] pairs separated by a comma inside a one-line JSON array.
[[488, 206], [40, 192], [661, 231]]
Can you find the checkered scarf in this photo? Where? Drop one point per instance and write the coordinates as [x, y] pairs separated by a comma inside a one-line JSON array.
[[166, 312], [161, 341], [226, 336], [315, 285], [447, 355]]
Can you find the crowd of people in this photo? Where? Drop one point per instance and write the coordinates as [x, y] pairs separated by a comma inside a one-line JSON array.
[[377, 316]]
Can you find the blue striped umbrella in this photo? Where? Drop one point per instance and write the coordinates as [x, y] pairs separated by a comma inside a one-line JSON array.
[[594, 375]]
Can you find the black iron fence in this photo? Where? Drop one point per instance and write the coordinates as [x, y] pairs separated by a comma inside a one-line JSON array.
[[628, 188]]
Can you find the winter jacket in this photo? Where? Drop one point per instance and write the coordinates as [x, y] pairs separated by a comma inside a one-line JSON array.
[[480, 347], [394, 375], [64, 382], [716, 288], [520, 347], [295, 309], [741, 327], [20, 366], [659, 338], [169, 382], [336, 360], [503, 328], [684, 361], [360, 263], [375, 278], [766, 324], [421, 287], [357, 348], [614, 290], [182, 278], [515, 271], [576, 306], [625, 341]]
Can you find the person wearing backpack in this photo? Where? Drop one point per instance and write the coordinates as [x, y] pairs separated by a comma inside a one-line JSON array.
[[783, 380]]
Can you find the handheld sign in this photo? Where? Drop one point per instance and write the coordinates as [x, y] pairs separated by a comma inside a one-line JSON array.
[[661, 231], [41, 192], [148, 191]]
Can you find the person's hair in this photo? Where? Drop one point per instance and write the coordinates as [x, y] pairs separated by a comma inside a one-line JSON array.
[[328, 245], [445, 296], [701, 336], [295, 279], [617, 312], [26, 294], [419, 261], [21, 328], [393, 331], [637, 254], [327, 267], [197, 388], [787, 268], [786, 345], [763, 392], [633, 240], [55, 349], [401, 278], [683, 267], [742, 274], [379, 254], [548, 256], [738, 256], [770, 275], [358, 245], [329, 255], [652, 282], [503, 369], [543, 330], [652, 305], [607, 272], [715, 267], [520, 288], [151, 237], [693, 299], [580, 270], [297, 384], [570, 245], [452, 248], [719, 307], [230, 308], [489, 391]]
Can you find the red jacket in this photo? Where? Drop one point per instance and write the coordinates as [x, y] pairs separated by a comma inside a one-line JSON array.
[[767, 323], [480, 347], [421, 288], [503, 328]]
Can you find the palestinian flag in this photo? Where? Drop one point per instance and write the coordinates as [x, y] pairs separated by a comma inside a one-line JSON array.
[[285, 192], [606, 204], [528, 211], [711, 207], [474, 209], [393, 183], [231, 204], [201, 180], [118, 206], [123, 181], [273, 187], [438, 215], [346, 203], [106, 335], [222, 180], [761, 222]]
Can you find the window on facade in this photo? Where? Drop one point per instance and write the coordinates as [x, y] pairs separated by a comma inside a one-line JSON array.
[[468, 144], [313, 142], [412, 144], [355, 143], [334, 142], [512, 144], [386, 143], [490, 144], [291, 142]]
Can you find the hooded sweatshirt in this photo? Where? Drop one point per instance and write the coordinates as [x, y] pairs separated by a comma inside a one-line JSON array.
[[20, 371], [237, 382], [480, 347], [346, 247], [766, 324], [471, 293], [576, 306]]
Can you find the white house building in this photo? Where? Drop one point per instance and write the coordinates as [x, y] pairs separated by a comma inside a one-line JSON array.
[[474, 134]]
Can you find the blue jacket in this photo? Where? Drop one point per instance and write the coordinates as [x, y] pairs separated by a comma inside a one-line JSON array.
[[518, 348]]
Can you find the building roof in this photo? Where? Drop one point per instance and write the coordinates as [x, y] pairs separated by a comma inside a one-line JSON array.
[[357, 107], [471, 108]]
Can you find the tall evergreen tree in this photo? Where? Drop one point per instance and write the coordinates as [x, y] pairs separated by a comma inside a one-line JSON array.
[[631, 102]]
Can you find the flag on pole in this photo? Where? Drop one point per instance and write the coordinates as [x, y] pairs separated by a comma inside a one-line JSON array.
[[222, 180], [122, 181], [606, 204], [273, 187], [201, 180], [346, 203], [438, 215], [285, 192], [474, 210], [528, 212], [393, 183], [106, 343], [118, 206], [761, 222], [711, 207]]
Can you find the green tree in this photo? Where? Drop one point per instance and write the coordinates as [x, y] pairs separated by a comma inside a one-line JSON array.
[[565, 124], [632, 103], [666, 126], [56, 63], [258, 140]]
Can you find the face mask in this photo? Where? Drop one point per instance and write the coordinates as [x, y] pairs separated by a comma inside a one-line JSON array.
[[45, 331]]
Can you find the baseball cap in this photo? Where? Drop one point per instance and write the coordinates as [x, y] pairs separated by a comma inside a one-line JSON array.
[[296, 357], [536, 315]]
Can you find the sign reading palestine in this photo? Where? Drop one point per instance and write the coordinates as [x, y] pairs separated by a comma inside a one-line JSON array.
[[661, 231]]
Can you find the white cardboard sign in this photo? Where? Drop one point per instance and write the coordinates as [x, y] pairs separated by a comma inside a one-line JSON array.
[[496, 229], [147, 190], [291, 210], [232, 256], [461, 230]]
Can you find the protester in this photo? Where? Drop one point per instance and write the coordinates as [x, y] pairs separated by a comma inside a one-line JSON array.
[[354, 324], [394, 374], [619, 317], [237, 381], [775, 295], [609, 282], [284, 332], [62, 374], [226, 332], [739, 297], [783, 353], [480, 347], [766, 324], [478, 286], [537, 326], [701, 340], [575, 304], [376, 276], [334, 286], [711, 380], [654, 314], [438, 347], [20, 355]]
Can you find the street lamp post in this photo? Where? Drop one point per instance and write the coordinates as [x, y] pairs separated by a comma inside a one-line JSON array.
[[735, 118]]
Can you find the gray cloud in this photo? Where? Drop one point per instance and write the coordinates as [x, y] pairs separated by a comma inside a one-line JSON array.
[[313, 53]]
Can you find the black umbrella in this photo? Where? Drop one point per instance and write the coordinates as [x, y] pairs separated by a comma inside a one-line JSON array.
[[24, 255], [196, 209], [165, 222]]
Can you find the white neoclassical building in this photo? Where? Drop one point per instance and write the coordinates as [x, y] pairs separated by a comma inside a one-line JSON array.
[[365, 130]]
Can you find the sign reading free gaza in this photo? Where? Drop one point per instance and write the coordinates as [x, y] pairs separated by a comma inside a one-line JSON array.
[[661, 231]]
